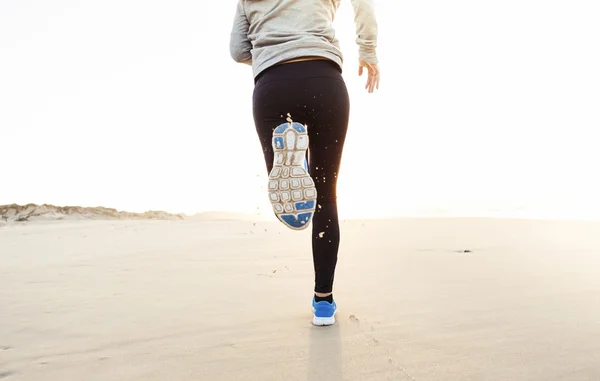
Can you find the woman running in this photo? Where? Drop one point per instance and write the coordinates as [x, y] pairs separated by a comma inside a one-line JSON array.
[[300, 93]]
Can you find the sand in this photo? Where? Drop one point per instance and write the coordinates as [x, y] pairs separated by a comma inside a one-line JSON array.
[[225, 299]]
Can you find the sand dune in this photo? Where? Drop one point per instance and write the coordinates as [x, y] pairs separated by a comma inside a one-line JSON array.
[[202, 299], [33, 212]]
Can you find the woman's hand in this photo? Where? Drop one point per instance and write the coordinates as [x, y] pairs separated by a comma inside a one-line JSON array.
[[373, 71]]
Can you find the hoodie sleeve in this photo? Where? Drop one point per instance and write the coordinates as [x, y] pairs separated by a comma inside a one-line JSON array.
[[366, 30], [239, 45]]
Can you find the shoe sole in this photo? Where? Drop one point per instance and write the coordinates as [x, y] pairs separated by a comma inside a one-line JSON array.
[[320, 322], [292, 191]]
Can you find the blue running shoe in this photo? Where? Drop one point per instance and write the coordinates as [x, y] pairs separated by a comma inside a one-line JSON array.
[[323, 312], [292, 191]]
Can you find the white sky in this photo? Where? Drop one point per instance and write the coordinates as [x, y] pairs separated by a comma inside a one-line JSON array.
[[485, 108]]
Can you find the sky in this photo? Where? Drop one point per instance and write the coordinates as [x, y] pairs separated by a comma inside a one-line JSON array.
[[484, 108]]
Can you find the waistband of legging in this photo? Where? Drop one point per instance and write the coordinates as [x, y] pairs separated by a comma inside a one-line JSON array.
[[299, 70]]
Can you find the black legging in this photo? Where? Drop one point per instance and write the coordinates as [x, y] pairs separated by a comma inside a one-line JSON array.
[[314, 94]]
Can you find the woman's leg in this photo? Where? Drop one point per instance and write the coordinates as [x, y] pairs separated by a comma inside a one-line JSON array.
[[314, 94], [326, 144]]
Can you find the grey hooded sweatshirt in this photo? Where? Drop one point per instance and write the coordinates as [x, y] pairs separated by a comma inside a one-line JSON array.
[[267, 32]]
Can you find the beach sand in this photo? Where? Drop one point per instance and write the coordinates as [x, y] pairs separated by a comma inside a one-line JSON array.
[[226, 299]]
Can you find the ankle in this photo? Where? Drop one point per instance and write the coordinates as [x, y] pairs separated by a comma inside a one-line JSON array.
[[328, 298]]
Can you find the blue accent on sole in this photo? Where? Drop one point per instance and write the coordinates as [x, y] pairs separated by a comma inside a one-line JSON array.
[[281, 128], [296, 222], [298, 127], [278, 143], [291, 220], [305, 217], [305, 205]]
